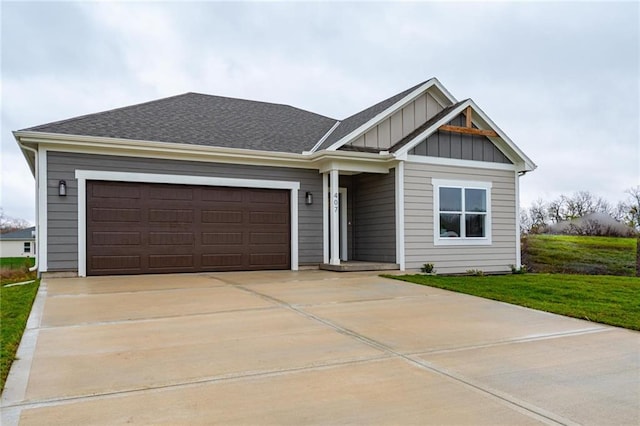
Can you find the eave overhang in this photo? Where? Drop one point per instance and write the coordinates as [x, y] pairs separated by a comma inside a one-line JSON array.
[[346, 161]]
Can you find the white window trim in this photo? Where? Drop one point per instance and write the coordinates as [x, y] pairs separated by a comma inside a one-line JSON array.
[[84, 175], [26, 247], [466, 241]]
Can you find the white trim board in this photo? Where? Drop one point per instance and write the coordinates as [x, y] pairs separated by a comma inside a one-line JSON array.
[[84, 175], [467, 241], [42, 206], [455, 162], [400, 249]]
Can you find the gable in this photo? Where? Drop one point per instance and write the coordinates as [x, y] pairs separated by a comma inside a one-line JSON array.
[[402, 123], [445, 144]]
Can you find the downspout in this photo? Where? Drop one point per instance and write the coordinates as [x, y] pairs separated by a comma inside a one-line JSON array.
[[35, 173]]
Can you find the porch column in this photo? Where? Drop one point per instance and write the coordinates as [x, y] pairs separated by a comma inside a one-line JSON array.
[[334, 216]]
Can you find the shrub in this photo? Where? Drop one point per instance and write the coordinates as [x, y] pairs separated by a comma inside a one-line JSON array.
[[428, 268]]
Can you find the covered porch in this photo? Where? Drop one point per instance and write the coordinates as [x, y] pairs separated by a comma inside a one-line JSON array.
[[361, 225]]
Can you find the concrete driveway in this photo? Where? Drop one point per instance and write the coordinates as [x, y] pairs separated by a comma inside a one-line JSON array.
[[311, 347]]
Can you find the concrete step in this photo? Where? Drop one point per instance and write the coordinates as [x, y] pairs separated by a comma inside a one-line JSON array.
[[356, 266]]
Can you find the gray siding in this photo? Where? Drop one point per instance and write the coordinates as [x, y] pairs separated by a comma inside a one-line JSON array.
[[374, 217], [62, 220], [400, 124], [418, 198], [460, 146]]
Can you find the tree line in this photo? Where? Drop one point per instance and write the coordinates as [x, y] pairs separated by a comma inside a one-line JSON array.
[[541, 215]]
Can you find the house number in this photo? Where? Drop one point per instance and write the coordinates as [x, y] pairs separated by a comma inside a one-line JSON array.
[[335, 201]]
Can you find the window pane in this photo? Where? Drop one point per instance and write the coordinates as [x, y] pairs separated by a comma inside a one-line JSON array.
[[475, 200], [450, 199], [475, 225], [450, 225]]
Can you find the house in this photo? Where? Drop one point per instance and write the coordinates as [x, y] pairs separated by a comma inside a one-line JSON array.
[[207, 183], [20, 243]]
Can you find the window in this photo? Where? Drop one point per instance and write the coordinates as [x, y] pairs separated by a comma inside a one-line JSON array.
[[462, 212], [27, 247]]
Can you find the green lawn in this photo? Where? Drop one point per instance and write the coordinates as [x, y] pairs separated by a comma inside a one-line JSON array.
[[15, 305], [579, 255], [610, 300]]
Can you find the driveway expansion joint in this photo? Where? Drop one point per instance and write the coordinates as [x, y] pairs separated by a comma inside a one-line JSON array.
[[504, 398]]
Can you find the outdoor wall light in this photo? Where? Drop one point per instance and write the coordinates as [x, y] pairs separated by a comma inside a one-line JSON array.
[[308, 198], [62, 188]]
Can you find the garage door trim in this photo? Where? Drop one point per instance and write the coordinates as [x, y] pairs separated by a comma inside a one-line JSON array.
[[83, 175]]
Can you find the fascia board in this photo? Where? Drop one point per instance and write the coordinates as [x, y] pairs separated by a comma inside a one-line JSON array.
[[388, 112], [430, 130], [127, 147]]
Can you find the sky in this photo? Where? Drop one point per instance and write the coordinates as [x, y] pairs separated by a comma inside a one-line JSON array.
[[560, 78]]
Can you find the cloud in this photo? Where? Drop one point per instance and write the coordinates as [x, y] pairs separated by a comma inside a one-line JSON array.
[[560, 78]]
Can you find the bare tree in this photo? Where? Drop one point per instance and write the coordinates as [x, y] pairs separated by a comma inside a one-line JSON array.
[[538, 215], [555, 210], [633, 214], [525, 222]]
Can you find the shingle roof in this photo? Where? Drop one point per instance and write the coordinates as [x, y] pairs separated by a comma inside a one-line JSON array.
[[198, 119], [350, 124], [21, 234]]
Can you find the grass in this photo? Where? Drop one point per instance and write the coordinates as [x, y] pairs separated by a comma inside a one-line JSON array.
[[569, 254], [612, 300], [15, 305]]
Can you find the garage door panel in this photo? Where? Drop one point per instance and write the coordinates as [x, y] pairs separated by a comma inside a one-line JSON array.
[[102, 214], [267, 259], [268, 238], [115, 238], [268, 196], [224, 195], [170, 215], [221, 216], [115, 190], [170, 192], [171, 238], [171, 261], [109, 263], [228, 260], [222, 238], [268, 218]]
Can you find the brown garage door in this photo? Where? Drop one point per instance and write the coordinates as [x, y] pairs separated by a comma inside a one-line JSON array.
[[140, 228]]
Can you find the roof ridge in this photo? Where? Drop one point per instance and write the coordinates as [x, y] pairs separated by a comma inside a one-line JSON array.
[[258, 102]]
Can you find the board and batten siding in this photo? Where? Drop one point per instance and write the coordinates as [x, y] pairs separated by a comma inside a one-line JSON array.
[[460, 146], [404, 121], [419, 220], [62, 212], [374, 217]]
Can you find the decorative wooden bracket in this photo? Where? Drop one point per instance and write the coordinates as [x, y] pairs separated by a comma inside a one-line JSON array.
[[468, 129]]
